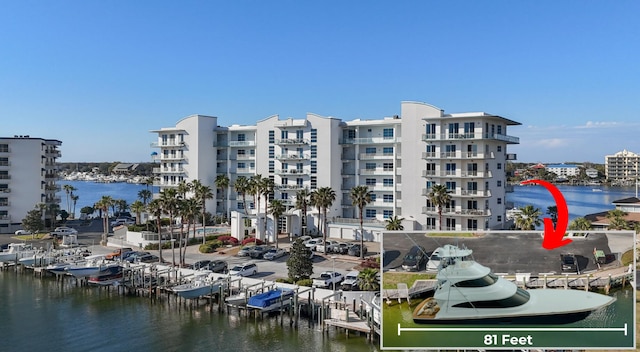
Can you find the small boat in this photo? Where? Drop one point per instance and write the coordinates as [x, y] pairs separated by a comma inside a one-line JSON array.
[[91, 266], [107, 276], [16, 251], [469, 293], [596, 190], [199, 286], [38, 259], [239, 299], [271, 300]]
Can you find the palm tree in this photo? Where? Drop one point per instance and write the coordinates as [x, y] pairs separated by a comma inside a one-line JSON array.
[[54, 210], [580, 224], [439, 197], [323, 198], [222, 183], [552, 211], [188, 210], [121, 204], [137, 207], [68, 189], [145, 195], [302, 203], [103, 205], [169, 200], [276, 209], [360, 197], [528, 218], [155, 208], [256, 186], [242, 186], [394, 223], [202, 193], [369, 280], [74, 198], [616, 220], [267, 186]]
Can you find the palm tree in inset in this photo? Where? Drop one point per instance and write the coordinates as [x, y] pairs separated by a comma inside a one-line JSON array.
[[222, 183], [255, 188], [302, 203], [439, 197], [323, 198], [188, 210], [242, 186], [369, 280], [276, 209], [155, 208], [528, 218], [360, 197], [616, 220], [202, 193], [394, 223], [169, 199]]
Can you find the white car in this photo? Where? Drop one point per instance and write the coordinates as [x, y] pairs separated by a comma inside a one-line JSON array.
[[63, 230], [313, 243], [122, 221], [246, 269], [274, 253], [329, 245], [22, 232]]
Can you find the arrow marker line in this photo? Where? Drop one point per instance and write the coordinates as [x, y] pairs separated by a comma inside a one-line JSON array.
[[623, 329]]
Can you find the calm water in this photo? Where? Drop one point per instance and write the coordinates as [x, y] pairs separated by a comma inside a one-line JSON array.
[[91, 192]]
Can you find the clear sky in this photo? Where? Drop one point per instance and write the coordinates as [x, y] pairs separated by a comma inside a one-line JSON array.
[[99, 75]]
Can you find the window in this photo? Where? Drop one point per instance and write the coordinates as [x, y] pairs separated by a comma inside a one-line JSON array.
[[370, 182], [241, 137], [387, 182], [519, 298], [4, 148], [314, 167], [469, 128], [472, 224], [370, 213], [285, 166], [272, 152], [387, 214], [252, 152], [431, 222], [284, 196], [430, 130], [240, 205], [370, 150], [499, 166], [499, 183], [387, 133], [453, 130], [272, 136], [387, 198], [351, 134], [299, 166], [241, 152], [314, 151], [370, 166], [252, 165], [499, 148], [374, 197], [484, 281], [451, 168], [241, 165], [284, 134], [314, 182], [285, 181], [472, 187], [314, 135], [299, 134], [499, 200], [499, 129], [472, 204], [299, 182], [387, 166], [387, 150], [499, 218], [451, 224], [271, 166], [451, 186]]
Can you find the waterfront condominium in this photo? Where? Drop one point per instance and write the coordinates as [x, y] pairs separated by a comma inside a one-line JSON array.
[[398, 158], [622, 167], [28, 174]]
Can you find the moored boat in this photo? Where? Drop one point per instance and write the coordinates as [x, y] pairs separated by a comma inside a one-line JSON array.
[[199, 286], [107, 276], [16, 251], [91, 266], [271, 300]]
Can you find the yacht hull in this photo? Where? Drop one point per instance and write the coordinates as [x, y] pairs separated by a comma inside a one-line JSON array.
[[550, 319]]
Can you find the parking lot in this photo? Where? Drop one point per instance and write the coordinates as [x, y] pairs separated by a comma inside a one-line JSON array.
[[504, 252]]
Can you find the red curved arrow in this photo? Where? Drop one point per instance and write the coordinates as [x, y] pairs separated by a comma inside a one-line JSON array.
[[553, 238]]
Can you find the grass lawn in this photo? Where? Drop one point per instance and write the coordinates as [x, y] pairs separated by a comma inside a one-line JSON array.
[[390, 280], [36, 237], [627, 257]]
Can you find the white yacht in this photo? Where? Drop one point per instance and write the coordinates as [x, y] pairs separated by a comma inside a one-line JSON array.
[[469, 293], [16, 251]]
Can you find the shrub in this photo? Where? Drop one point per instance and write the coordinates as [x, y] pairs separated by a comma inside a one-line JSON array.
[[284, 280], [228, 240], [252, 240], [207, 248], [154, 246], [305, 282]]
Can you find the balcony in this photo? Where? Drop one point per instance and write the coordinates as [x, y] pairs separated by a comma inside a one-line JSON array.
[[512, 156], [52, 154], [293, 156], [246, 170], [5, 204], [475, 193], [242, 143], [380, 188], [374, 156], [373, 140], [447, 136], [5, 177], [456, 173], [376, 171], [5, 218], [292, 141], [171, 158], [5, 190], [290, 187], [292, 172], [167, 144], [168, 170], [503, 138]]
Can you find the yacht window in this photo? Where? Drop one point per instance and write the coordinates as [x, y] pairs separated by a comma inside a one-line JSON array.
[[487, 280], [519, 298]]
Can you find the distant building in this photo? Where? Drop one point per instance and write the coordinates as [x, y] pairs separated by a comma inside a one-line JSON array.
[[28, 175], [398, 158], [622, 166], [124, 169], [564, 170], [591, 172], [631, 206]]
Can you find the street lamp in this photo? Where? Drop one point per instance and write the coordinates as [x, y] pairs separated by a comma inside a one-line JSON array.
[[333, 260]]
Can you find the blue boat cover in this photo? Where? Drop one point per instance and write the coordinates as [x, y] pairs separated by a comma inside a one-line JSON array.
[[266, 299]]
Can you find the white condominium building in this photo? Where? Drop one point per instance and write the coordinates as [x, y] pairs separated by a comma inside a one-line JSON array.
[[398, 158], [28, 174], [622, 166]]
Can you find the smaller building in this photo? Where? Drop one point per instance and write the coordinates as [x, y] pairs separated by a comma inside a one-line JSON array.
[[124, 169], [622, 166], [564, 170], [591, 172], [631, 206]]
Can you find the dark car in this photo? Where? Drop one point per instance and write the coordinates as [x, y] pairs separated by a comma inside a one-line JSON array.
[[202, 264], [217, 266], [133, 256], [342, 248], [259, 251], [414, 258], [355, 250], [149, 258], [569, 263]]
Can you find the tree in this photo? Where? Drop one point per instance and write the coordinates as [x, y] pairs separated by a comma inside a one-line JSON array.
[[528, 218], [439, 196], [394, 223], [222, 183], [299, 263], [369, 280], [33, 222], [103, 204], [322, 199], [137, 207], [242, 186], [580, 224], [360, 197], [53, 209], [155, 207], [552, 211], [74, 198], [267, 186], [188, 210], [255, 187], [616, 220], [302, 203], [276, 209], [68, 189], [63, 215], [145, 195], [169, 199], [122, 205], [87, 210], [202, 193]]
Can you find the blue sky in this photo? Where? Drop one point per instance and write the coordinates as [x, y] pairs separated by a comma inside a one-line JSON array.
[[98, 75]]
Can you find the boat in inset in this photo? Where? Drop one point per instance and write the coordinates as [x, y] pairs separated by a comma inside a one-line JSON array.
[[200, 286], [271, 300], [16, 251], [469, 293]]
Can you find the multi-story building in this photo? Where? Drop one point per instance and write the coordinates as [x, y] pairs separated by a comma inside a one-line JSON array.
[[564, 170], [28, 175], [622, 166], [399, 158]]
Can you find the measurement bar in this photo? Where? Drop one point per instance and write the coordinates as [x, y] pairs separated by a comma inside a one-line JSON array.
[[623, 329]]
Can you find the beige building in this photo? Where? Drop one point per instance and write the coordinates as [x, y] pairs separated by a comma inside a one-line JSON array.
[[622, 166]]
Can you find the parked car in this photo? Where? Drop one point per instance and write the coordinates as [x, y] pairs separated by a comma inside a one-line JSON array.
[[327, 279], [312, 243], [414, 258], [246, 269], [22, 232], [133, 256], [328, 245], [342, 248], [117, 253], [63, 230], [274, 253], [217, 266], [569, 263], [149, 258], [355, 250], [122, 221], [351, 281], [259, 251], [245, 251], [201, 264]]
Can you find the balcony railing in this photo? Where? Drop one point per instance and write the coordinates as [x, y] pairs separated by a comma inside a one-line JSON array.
[[168, 170], [292, 172], [373, 140], [370, 156], [464, 136], [242, 143], [293, 156], [456, 173], [290, 141], [167, 144], [290, 187], [376, 171]]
